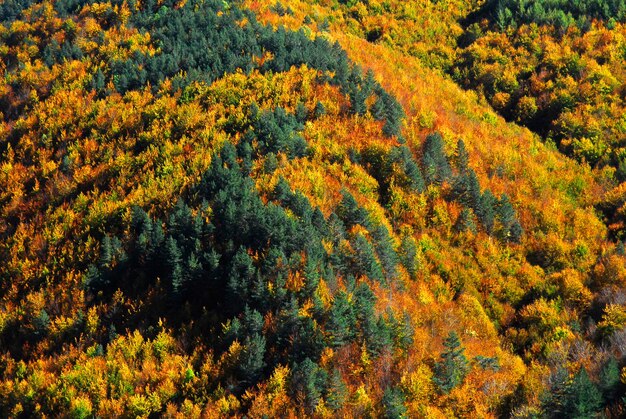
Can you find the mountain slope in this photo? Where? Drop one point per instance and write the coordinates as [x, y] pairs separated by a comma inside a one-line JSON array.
[[206, 216]]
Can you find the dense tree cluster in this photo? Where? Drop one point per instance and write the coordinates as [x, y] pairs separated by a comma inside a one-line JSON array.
[[559, 13], [207, 208]]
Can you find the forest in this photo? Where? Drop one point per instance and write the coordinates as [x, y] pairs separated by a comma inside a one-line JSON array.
[[334, 208]]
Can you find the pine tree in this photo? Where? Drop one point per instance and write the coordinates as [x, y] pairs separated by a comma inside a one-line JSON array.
[[106, 253], [408, 256], [453, 367], [485, 211], [377, 335], [251, 362], [435, 161], [465, 222], [337, 391], [302, 113], [242, 273], [341, 321], [365, 259], [393, 404], [41, 323], [462, 158], [384, 248], [583, 399], [351, 213], [307, 383], [173, 259], [610, 379], [506, 216]]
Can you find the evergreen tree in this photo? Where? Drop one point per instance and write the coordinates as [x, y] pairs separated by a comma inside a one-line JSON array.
[[302, 113], [403, 156], [341, 321], [408, 256], [506, 216], [393, 404], [251, 361], [173, 259], [384, 249], [583, 399], [462, 158], [377, 334], [307, 383], [365, 259], [320, 110], [465, 222], [610, 379], [435, 161], [485, 211], [41, 323], [242, 272], [350, 212], [554, 398], [453, 367], [337, 391], [378, 109]]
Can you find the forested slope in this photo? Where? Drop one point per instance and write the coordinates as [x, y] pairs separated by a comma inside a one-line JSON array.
[[224, 209]]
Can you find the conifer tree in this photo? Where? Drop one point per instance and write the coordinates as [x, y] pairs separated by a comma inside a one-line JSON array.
[[251, 362], [307, 383], [485, 211], [610, 379], [453, 367], [408, 255], [337, 391], [365, 259], [583, 399], [393, 404], [462, 158], [384, 249], [436, 166], [173, 259], [341, 321], [465, 222]]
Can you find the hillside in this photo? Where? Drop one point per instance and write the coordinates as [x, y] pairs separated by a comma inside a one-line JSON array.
[[312, 209]]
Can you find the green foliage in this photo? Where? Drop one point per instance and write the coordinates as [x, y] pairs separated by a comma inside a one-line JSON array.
[[560, 13], [609, 380], [337, 392], [583, 397], [307, 383], [436, 166], [393, 404], [341, 322], [453, 367]]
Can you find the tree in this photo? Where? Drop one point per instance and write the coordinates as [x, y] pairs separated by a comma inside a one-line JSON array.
[[434, 159], [408, 256], [610, 379], [337, 391], [307, 383], [350, 212], [365, 259], [384, 248], [241, 275], [465, 222], [510, 227], [583, 399], [173, 259], [453, 367], [251, 362], [393, 404], [462, 158], [403, 156], [341, 322], [485, 211]]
